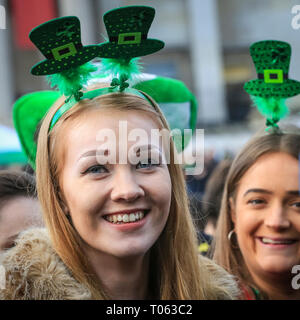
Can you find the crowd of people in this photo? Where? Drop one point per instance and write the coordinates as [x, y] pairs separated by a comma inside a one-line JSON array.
[[98, 225]]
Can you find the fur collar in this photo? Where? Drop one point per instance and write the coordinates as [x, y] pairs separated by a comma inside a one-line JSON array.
[[35, 272]]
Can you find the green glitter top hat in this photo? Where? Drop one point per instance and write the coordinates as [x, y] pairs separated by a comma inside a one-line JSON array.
[[272, 61], [59, 40], [127, 29]]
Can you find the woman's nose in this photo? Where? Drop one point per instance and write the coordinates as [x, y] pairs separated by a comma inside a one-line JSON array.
[[277, 218], [126, 186]]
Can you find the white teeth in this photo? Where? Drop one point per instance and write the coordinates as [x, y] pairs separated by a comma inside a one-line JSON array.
[[132, 217], [125, 218], [267, 240]]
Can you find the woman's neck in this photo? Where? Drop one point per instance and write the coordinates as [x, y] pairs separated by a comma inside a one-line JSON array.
[[122, 278], [277, 287]]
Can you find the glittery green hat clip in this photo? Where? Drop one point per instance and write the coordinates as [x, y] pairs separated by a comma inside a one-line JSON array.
[[59, 40], [273, 86], [127, 29]]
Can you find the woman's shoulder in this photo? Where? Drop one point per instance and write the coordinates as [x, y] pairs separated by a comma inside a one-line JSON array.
[[220, 284], [33, 270]]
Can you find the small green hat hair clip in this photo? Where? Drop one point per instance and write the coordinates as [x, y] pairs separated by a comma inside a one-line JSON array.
[[66, 63], [127, 30], [273, 86]]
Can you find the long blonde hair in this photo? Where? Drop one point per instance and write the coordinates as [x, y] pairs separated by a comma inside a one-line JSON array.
[[226, 253], [175, 269]]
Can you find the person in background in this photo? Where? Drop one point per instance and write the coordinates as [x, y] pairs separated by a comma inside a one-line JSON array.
[[19, 207], [258, 232], [211, 201]]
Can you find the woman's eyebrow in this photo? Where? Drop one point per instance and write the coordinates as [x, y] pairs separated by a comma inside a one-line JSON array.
[[94, 153], [257, 190], [294, 192], [147, 147]]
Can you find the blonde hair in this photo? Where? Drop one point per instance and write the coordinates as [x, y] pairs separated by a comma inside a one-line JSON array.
[[228, 254], [175, 268]]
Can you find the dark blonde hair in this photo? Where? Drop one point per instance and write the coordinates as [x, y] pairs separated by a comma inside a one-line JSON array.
[[225, 253], [175, 269]]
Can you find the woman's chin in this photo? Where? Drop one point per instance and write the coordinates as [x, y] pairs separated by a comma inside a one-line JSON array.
[[277, 266]]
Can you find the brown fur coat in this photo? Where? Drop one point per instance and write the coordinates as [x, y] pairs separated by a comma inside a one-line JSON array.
[[35, 272]]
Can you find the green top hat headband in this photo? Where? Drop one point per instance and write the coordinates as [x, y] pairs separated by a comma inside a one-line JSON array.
[[67, 60], [173, 97], [273, 86], [68, 68]]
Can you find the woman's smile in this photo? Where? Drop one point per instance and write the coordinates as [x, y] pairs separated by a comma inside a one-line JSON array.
[[277, 243]]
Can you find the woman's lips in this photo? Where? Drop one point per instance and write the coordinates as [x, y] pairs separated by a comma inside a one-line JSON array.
[[277, 242]]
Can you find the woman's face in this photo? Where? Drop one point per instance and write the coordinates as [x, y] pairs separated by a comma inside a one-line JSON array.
[[16, 215], [118, 209], [266, 214]]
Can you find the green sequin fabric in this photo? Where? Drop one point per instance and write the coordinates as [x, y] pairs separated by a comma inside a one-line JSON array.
[[59, 40], [127, 29], [272, 60]]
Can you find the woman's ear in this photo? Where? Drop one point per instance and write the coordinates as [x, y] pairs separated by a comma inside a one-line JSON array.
[[232, 210]]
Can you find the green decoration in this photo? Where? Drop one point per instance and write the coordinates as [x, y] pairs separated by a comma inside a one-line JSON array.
[[273, 86], [127, 29], [122, 70], [59, 40], [70, 73], [177, 103], [272, 109], [28, 111], [12, 157], [119, 59], [70, 82], [272, 61]]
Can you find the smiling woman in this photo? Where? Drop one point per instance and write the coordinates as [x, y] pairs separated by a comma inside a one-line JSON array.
[[118, 230], [118, 227], [258, 233]]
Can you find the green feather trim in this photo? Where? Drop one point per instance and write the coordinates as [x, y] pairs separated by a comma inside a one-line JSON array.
[[271, 108], [121, 67], [70, 82]]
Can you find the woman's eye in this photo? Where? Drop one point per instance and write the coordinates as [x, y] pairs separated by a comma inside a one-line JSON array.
[[146, 165], [256, 202], [96, 169], [296, 204]]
